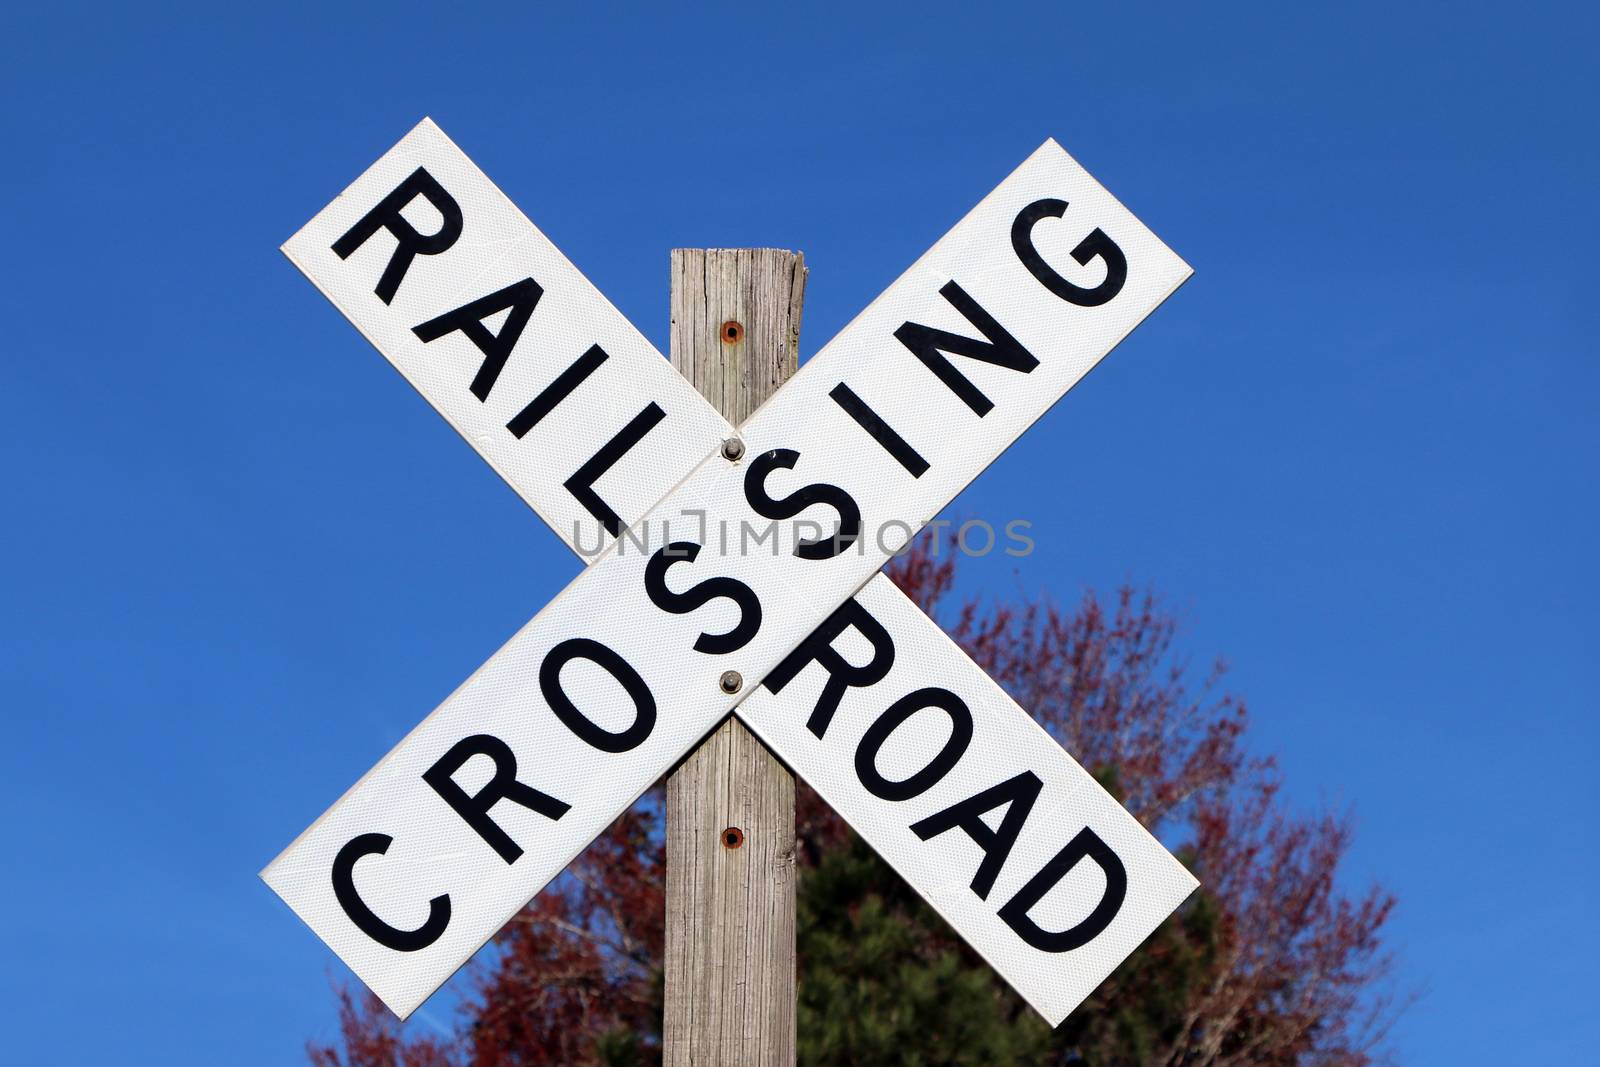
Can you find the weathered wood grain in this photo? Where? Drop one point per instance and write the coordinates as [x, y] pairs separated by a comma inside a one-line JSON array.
[[730, 966]]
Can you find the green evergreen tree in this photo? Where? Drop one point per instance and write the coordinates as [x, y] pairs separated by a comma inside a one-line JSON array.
[[883, 981]]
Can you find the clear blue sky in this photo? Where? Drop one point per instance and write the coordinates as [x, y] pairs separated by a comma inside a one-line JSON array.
[[1358, 450]]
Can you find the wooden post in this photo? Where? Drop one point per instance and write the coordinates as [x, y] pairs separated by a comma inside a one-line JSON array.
[[730, 971]]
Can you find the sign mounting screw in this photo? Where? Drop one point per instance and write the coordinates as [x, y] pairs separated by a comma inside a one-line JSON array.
[[732, 449], [731, 681], [732, 332]]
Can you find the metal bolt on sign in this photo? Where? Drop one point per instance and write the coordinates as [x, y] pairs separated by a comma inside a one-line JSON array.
[[600, 694]]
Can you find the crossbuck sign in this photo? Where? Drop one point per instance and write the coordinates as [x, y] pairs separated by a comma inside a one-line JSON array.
[[662, 636]]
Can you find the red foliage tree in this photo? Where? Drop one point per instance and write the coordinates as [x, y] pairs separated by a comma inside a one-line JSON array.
[[1272, 963]]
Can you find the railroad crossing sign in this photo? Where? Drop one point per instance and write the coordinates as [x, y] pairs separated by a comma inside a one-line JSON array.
[[731, 571]]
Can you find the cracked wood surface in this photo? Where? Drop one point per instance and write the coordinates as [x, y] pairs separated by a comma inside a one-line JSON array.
[[730, 939]]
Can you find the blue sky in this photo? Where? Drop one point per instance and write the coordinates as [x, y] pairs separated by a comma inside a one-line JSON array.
[[1357, 451]]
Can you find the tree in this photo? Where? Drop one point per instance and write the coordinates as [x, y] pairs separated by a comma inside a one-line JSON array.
[[1272, 963]]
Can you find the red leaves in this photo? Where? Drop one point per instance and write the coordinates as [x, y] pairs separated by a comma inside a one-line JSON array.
[[1272, 964], [581, 961], [1297, 967], [373, 1038]]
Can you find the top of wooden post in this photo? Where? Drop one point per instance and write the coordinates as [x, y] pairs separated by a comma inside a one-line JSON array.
[[759, 292]]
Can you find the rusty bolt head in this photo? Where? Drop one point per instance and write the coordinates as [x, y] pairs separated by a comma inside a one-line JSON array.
[[731, 681], [732, 332], [732, 837]]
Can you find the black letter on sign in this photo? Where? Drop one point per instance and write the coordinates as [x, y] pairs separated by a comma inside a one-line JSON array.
[[901, 710], [1096, 244], [520, 297], [503, 785], [386, 216], [644, 702], [818, 648], [880, 431], [655, 585], [967, 815], [1087, 843], [1001, 349], [817, 493], [581, 484], [344, 890], [556, 392]]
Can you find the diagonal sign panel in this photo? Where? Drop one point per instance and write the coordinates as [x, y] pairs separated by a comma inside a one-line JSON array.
[[464, 784], [1050, 879], [945, 369], [492, 795], [517, 350]]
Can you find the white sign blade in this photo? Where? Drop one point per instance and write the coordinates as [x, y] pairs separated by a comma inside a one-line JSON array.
[[1023, 853], [498, 330], [481, 805], [945, 369]]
